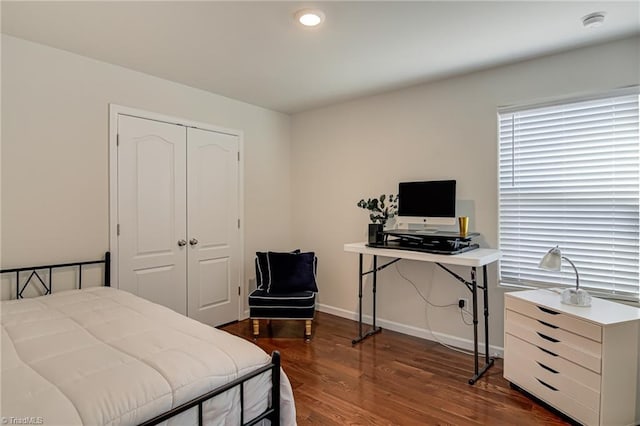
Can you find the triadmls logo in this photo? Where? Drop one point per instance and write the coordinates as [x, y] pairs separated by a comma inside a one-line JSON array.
[[27, 420]]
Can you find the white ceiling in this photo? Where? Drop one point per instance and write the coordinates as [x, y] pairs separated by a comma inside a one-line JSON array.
[[255, 52]]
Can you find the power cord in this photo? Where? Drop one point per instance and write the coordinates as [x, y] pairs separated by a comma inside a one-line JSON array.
[[420, 293], [462, 312], [426, 299]]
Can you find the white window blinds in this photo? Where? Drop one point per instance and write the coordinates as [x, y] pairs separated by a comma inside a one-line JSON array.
[[569, 176]]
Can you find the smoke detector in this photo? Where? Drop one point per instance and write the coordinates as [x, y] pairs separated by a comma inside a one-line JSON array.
[[593, 20]]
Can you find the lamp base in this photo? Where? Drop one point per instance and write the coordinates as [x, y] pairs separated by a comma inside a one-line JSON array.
[[580, 297]]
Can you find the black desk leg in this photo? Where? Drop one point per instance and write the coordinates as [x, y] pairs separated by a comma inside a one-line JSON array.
[[474, 293], [375, 329], [485, 288], [375, 282], [360, 299], [488, 359]]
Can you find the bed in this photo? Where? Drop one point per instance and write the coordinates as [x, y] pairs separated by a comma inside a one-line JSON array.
[[101, 356]]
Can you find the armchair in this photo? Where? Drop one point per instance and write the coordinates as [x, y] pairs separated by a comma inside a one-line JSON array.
[[286, 289]]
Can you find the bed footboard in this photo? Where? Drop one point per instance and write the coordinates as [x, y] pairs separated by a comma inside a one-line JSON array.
[[272, 412]]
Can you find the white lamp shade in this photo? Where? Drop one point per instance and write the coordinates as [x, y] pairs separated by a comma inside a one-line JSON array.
[[552, 260]]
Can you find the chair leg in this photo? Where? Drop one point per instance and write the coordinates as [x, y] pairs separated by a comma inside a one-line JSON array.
[[307, 330], [256, 328]]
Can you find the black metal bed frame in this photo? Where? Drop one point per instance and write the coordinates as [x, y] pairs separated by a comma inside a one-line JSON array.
[[272, 413], [48, 284]]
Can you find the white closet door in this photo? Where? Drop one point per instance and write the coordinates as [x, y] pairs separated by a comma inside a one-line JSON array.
[[214, 236], [151, 211]]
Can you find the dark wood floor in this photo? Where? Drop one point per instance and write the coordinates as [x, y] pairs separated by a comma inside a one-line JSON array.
[[389, 379]]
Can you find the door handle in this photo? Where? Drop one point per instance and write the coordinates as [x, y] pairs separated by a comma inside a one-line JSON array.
[[546, 351], [182, 243], [193, 241], [547, 324], [545, 337], [548, 311], [547, 368], [547, 385]]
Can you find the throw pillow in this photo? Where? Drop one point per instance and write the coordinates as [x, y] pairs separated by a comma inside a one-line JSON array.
[[262, 269], [292, 272]]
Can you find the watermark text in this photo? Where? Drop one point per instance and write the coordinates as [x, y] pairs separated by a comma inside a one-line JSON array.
[[27, 420]]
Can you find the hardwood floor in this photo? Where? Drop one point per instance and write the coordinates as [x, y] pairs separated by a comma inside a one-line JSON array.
[[389, 379]]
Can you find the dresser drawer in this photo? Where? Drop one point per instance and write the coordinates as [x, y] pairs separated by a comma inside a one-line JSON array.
[[520, 373], [557, 341], [555, 318], [576, 382]]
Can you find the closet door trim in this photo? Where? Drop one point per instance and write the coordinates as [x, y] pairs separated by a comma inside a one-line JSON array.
[[117, 110]]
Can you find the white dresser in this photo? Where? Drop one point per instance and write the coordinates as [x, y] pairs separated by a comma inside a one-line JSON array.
[[581, 360]]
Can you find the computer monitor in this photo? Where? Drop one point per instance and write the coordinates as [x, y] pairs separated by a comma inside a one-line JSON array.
[[426, 203]]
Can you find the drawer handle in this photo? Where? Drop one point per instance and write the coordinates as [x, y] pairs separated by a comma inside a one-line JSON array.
[[547, 324], [547, 368], [546, 351], [544, 336], [548, 311], [547, 385]]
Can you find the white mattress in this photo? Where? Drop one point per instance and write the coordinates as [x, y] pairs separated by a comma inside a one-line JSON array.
[[103, 356]]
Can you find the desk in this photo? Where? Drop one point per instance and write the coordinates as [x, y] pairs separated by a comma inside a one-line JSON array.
[[474, 259]]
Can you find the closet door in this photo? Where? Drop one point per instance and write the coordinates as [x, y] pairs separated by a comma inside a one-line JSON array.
[[152, 242], [213, 228]]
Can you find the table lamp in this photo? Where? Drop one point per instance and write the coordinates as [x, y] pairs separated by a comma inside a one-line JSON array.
[[570, 296]]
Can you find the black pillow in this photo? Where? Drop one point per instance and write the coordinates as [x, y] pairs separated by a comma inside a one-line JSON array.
[[262, 269], [292, 272]]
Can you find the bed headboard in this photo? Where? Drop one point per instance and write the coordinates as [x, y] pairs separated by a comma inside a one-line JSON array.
[[36, 276]]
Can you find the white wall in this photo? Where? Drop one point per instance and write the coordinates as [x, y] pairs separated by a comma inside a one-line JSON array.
[[441, 130], [55, 152]]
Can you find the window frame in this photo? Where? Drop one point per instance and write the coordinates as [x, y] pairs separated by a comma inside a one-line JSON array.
[[565, 100]]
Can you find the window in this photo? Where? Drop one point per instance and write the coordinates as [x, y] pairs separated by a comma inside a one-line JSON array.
[[569, 176]]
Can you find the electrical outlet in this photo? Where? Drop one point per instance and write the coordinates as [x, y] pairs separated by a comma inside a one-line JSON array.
[[463, 302]]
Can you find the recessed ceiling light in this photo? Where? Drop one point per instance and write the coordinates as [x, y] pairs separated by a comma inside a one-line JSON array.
[[593, 20], [310, 17]]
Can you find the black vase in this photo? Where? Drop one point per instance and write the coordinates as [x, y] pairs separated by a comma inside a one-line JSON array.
[[375, 233]]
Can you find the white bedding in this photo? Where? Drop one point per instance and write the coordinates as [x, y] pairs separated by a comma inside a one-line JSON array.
[[103, 356]]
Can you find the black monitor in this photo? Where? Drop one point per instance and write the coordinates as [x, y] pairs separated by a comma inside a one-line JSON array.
[[427, 201]]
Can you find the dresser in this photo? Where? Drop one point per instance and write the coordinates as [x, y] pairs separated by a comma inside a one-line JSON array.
[[583, 361]]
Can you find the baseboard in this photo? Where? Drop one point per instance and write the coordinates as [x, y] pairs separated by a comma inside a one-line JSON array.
[[423, 333]]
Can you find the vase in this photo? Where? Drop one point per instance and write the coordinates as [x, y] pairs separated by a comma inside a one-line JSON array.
[[376, 235]]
